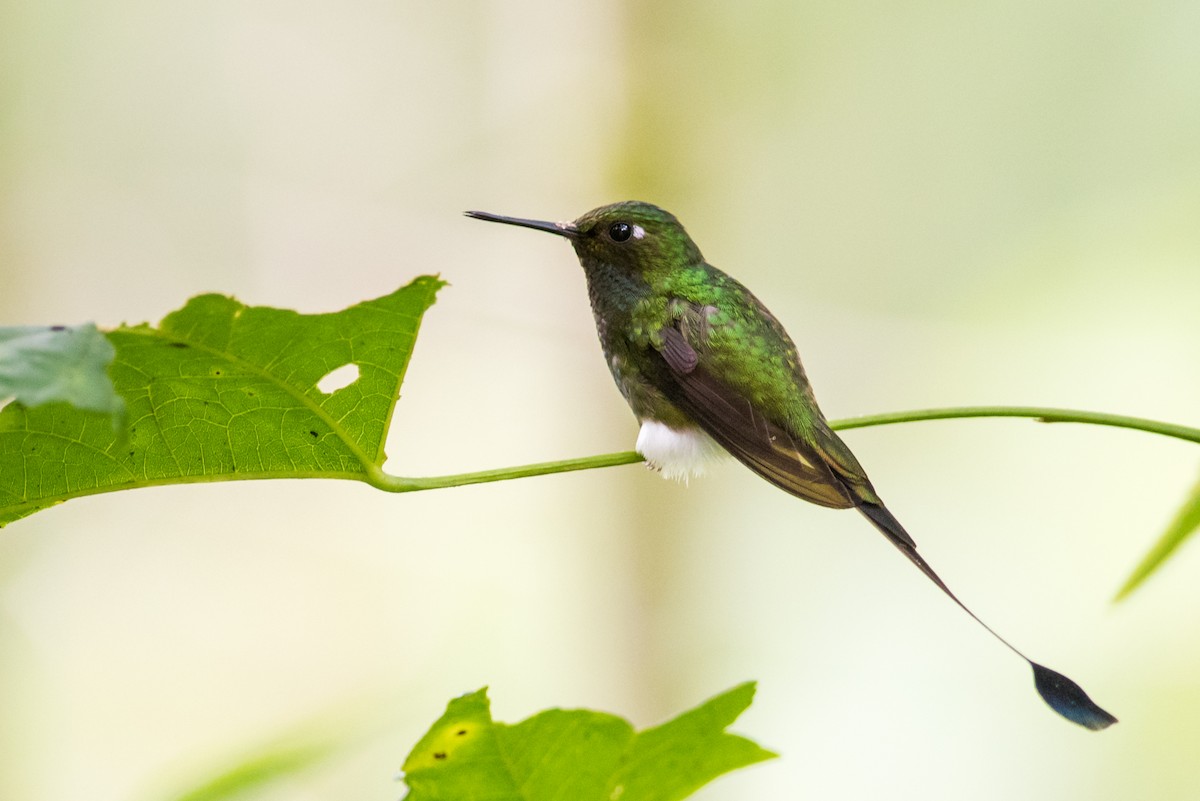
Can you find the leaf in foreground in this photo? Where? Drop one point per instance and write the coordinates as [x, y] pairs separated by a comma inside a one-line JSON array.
[[577, 754], [257, 772], [221, 391], [1185, 524], [67, 364]]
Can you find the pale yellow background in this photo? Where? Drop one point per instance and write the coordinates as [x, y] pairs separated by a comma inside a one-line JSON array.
[[946, 203]]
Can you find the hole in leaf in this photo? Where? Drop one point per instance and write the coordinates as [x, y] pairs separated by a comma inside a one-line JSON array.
[[337, 379]]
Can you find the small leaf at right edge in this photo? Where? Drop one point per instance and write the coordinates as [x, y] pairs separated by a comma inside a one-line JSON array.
[[577, 754], [1186, 522]]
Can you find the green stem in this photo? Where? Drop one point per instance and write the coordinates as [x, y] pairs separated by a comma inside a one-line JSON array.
[[386, 481], [1039, 413], [378, 478]]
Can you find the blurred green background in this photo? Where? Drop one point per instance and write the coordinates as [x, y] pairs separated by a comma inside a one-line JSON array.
[[945, 203]]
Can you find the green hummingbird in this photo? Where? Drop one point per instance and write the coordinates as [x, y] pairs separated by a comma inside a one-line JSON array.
[[708, 369]]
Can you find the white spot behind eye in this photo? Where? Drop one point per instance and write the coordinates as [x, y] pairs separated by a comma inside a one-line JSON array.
[[638, 232]]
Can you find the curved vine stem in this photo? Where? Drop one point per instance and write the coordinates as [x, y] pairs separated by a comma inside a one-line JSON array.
[[385, 481], [1039, 413]]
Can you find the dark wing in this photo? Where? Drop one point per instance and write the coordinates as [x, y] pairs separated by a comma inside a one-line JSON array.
[[824, 472], [729, 418]]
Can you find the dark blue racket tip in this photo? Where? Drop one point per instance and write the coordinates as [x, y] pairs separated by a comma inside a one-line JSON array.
[[1069, 700]]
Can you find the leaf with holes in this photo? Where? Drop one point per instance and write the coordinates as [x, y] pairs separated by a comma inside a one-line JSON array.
[[577, 754], [220, 391]]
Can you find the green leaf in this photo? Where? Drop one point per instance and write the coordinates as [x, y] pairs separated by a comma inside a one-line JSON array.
[[1185, 524], [256, 772], [221, 391], [675, 759], [284, 761], [47, 364], [576, 754]]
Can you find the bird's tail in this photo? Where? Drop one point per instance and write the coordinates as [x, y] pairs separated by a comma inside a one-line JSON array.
[[1063, 695]]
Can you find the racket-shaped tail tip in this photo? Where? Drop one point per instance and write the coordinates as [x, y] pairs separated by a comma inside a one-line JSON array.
[[1069, 700]]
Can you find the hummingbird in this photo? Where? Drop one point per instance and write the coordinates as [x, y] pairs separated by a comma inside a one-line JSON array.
[[708, 370]]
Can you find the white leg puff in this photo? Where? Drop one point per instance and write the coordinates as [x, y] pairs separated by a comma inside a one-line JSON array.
[[676, 453]]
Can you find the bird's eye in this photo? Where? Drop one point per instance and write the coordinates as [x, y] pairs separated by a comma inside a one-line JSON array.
[[619, 232]]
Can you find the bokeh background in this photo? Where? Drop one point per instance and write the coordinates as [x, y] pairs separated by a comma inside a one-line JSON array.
[[945, 203]]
